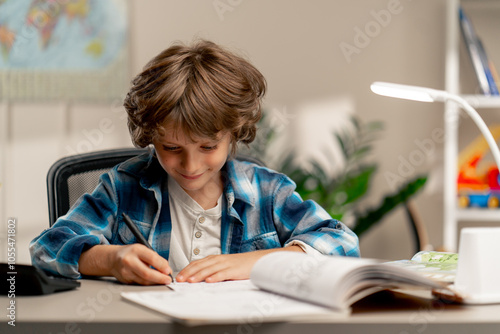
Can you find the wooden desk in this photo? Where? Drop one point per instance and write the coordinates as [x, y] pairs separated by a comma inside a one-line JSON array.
[[96, 307]]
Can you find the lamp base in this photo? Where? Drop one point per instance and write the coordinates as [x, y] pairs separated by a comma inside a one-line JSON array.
[[476, 299]]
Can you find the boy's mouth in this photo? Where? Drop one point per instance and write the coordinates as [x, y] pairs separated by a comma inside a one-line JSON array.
[[191, 177]]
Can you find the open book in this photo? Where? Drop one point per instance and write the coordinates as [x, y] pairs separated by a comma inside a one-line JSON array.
[[333, 282], [283, 286]]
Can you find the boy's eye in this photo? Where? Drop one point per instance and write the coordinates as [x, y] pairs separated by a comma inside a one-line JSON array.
[[170, 148], [209, 148]]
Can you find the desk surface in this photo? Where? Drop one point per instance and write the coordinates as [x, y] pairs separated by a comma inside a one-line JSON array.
[[97, 307]]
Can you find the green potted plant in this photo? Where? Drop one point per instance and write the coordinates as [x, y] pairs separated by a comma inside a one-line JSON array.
[[341, 193]]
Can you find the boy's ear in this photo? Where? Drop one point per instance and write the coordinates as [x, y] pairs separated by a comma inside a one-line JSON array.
[[233, 147]]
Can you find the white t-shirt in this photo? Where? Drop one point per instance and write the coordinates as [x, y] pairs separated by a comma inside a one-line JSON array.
[[195, 231]]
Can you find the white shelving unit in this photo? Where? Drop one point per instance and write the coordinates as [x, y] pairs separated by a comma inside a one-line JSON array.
[[452, 214]]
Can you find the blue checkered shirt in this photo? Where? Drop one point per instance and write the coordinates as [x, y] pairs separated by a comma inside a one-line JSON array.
[[260, 210]]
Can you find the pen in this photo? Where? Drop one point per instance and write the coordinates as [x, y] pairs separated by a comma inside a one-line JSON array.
[[135, 231]]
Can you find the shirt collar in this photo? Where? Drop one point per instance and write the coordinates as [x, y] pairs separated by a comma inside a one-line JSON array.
[[145, 167], [238, 185]]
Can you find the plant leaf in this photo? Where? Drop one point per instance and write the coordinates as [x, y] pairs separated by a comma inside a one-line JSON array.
[[372, 217]]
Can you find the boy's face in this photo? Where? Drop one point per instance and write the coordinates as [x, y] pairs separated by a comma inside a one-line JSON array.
[[195, 165]]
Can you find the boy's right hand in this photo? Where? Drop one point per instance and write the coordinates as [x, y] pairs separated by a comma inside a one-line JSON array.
[[128, 263], [132, 264]]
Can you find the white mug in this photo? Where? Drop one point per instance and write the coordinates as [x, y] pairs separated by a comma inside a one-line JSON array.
[[478, 270]]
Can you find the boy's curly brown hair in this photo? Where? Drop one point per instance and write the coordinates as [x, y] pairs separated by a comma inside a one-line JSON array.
[[201, 89]]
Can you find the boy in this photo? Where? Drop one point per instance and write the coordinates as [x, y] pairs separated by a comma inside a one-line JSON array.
[[207, 216]]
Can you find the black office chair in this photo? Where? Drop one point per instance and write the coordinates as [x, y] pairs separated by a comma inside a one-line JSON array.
[[72, 176]]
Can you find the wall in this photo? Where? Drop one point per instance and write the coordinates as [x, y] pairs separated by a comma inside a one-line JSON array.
[[311, 52]]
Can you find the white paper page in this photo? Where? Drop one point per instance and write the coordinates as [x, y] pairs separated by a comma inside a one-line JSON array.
[[225, 302], [225, 286]]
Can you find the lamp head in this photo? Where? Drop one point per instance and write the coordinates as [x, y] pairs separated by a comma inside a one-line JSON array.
[[407, 92]]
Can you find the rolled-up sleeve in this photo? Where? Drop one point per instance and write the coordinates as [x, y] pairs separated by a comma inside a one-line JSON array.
[[58, 249], [308, 222]]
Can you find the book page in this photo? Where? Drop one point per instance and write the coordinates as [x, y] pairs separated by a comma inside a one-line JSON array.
[[440, 266], [224, 287], [225, 302], [323, 281]]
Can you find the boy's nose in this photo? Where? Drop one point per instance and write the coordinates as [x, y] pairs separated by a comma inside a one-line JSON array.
[[191, 163]]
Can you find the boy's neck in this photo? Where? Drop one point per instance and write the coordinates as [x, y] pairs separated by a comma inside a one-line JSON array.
[[208, 197]]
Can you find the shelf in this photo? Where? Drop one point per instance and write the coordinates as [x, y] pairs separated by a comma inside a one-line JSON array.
[[454, 39], [489, 3], [483, 101], [478, 215]]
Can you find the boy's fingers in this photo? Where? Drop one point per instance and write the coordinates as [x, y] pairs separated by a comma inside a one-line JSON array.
[[154, 260], [143, 273], [160, 271], [152, 276], [198, 271]]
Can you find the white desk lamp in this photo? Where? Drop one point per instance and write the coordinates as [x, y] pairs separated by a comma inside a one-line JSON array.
[[478, 272], [422, 94]]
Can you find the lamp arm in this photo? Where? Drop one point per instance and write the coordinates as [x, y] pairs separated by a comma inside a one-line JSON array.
[[480, 124]]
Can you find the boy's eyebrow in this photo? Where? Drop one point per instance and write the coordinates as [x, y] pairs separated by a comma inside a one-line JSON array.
[[208, 140]]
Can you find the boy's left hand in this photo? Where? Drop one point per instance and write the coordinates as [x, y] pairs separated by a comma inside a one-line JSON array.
[[217, 268]]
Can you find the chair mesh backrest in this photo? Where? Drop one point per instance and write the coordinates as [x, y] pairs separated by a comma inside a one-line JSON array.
[[82, 183], [71, 177]]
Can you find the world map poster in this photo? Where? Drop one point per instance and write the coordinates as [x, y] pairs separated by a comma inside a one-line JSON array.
[[70, 50]]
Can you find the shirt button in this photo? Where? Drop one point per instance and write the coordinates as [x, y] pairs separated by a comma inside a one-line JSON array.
[[201, 220], [197, 234], [196, 251]]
